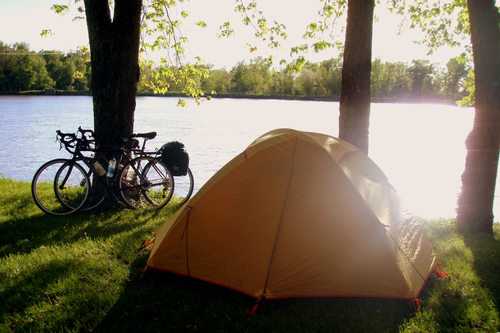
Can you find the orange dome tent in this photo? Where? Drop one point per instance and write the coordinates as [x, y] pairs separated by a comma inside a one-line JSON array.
[[297, 214]]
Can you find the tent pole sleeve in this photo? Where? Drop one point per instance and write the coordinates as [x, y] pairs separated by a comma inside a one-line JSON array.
[[283, 209]]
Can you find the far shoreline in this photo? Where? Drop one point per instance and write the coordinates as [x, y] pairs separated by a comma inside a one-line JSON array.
[[402, 100]]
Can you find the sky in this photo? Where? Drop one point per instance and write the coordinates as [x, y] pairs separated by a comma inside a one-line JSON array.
[[23, 20]]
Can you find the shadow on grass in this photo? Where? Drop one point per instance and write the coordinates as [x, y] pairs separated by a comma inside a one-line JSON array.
[[486, 252], [23, 234], [22, 293], [160, 301], [59, 295]]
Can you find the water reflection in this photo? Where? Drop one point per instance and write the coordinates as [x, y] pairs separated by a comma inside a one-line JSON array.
[[419, 146]]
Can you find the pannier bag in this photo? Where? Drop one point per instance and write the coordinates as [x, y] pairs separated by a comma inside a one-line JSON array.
[[175, 158]]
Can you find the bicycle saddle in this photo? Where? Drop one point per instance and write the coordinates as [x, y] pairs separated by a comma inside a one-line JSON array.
[[147, 135]]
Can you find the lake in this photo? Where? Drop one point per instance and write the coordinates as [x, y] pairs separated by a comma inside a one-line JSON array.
[[420, 147]]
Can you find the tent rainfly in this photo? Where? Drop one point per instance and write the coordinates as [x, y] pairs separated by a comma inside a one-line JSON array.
[[297, 214]]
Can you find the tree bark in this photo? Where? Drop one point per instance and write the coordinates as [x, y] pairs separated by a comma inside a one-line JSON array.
[[475, 204], [354, 117], [114, 52]]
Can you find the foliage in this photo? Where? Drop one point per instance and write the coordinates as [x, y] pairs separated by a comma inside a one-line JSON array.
[[22, 69], [456, 76], [270, 33], [161, 34], [420, 72], [319, 35], [253, 78], [165, 78], [443, 22], [392, 80], [218, 81], [470, 88], [84, 274], [70, 71]]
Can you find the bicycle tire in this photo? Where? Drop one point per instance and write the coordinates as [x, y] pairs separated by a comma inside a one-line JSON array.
[[44, 183], [184, 186], [70, 201]]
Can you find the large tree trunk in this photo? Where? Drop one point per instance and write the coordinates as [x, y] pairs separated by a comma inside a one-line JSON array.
[[356, 70], [475, 205], [114, 51]]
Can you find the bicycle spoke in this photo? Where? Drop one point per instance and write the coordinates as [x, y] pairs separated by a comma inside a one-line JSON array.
[[152, 182]]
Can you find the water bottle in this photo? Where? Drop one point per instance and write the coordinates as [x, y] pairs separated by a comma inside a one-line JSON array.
[[111, 168], [99, 169]]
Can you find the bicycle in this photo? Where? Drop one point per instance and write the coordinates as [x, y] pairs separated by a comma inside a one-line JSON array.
[[142, 174], [183, 177], [127, 180], [133, 177], [73, 186]]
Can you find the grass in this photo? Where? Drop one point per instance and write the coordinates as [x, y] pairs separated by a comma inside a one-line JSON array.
[[83, 273]]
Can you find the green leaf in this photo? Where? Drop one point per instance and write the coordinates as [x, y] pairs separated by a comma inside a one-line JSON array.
[[225, 30], [60, 9], [46, 33], [201, 24], [321, 45]]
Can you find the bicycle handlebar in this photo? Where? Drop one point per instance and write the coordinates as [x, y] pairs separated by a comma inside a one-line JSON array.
[[73, 142], [66, 137], [68, 140]]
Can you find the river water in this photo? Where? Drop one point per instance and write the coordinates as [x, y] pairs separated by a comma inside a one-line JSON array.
[[420, 147]]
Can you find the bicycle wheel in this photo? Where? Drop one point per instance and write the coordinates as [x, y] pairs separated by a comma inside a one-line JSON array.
[[160, 183], [146, 182], [184, 186], [72, 185], [60, 195], [98, 191]]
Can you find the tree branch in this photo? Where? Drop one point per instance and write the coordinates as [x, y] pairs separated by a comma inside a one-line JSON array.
[[127, 15]]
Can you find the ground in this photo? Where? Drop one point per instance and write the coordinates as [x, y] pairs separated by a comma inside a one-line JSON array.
[[83, 273]]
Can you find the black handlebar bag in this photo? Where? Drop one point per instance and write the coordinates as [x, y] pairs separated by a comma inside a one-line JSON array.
[[175, 158]]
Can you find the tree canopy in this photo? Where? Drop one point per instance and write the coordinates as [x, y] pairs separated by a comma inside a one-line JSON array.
[[443, 23]]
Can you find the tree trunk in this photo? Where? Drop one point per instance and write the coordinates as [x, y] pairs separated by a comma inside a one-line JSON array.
[[114, 52], [475, 204], [356, 70]]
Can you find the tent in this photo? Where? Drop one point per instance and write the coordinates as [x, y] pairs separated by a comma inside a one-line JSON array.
[[297, 214]]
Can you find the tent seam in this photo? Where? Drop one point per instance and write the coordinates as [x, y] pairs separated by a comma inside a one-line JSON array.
[[271, 259]]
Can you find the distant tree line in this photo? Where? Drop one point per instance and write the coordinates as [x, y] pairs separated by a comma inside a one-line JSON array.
[[391, 80], [24, 70]]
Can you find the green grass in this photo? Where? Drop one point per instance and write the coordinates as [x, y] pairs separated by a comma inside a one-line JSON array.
[[82, 273]]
